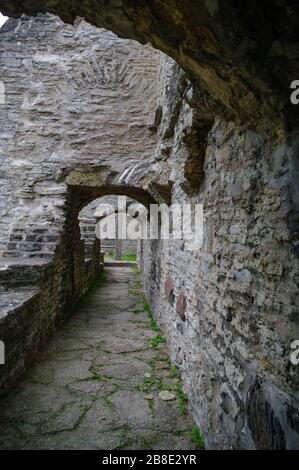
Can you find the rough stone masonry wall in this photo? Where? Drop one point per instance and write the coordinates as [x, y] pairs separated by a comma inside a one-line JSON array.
[[64, 87], [37, 295], [76, 97], [230, 310]]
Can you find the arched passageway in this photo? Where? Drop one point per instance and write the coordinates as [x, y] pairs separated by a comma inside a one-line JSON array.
[[110, 219], [105, 381]]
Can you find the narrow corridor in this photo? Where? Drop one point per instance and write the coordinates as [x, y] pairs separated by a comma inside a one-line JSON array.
[[102, 383]]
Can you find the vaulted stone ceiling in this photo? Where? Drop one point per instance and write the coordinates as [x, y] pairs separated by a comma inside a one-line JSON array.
[[243, 54]]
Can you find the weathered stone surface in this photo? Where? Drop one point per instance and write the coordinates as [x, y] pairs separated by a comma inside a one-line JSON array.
[[84, 394], [181, 305], [169, 290], [83, 104], [242, 55], [241, 290], [69, 139], [165, 395]]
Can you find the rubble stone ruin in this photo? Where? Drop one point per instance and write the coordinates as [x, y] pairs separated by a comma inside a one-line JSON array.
[[163, 102]]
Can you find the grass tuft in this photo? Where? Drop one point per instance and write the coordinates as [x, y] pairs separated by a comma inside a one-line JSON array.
[[150, 384], [156, 340], [197, 437], [182, 399], [149, 443]]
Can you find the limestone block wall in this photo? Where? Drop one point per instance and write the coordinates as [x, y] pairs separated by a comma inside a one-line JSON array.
[[36, 296], [230, 310], [79, 108], [75, 97]]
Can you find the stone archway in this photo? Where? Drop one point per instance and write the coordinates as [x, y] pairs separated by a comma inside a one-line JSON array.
[[80, 196], [116, 221]]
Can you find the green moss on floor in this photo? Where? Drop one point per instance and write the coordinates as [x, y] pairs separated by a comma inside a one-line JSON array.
[[83, 396], [157, 340], [150, 384], [107, 402], [150, 442], [181, 398]]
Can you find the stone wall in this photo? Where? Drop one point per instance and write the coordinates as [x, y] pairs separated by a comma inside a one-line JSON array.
[[37, 295], [74, 102], [76, 97], [72, 134], [230, 310]]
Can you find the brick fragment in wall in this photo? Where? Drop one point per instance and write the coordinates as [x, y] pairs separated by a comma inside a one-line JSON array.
[[169, 290], [181, 305]]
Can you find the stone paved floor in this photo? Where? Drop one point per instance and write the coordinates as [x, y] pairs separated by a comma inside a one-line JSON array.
[[97, 385]]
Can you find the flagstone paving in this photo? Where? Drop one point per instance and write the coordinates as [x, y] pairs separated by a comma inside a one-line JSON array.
[[98, 384]]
